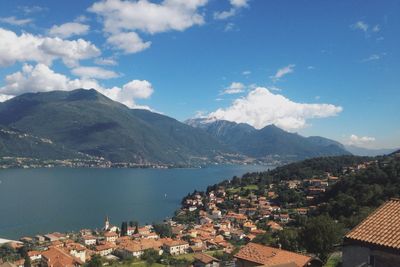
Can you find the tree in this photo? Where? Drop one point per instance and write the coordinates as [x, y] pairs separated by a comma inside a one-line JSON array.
[[163, 230], [264, 239], [27, 262], [151, 256], [288, 238], [95, 261], [124, 228], [320, 234]]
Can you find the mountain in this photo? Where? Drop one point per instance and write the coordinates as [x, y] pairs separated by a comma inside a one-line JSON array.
[[360, 151], [268, 141], [14, 143], [88, 122]]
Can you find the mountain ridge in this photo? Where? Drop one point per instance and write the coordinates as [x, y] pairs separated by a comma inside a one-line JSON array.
[[87, 122], [269, 140]]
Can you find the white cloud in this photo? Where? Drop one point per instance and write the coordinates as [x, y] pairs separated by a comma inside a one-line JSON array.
[[360, 140], [225, 14], [69, 29], [282, 72], [94, 72], [360, 25], [229, 27], [246, 72], [32, 9], [29, 47], [376, 28], [149, 17], [374, 57], [239, 3], [236, 5], [128, 42], [123, 19], [234, 88], [139, 89], [41, 78], [14, 21], [261, 108], [106, 61]]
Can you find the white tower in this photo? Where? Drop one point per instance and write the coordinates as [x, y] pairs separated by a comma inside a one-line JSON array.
[[106, 223]]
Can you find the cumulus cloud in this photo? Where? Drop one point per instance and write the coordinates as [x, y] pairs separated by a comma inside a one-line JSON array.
[[236, 5], [94, 72], [69, 29], [139, 89], [234, 88], [261, 108], [106, 61], [14, 21], [128, 42], [149, 17], [360, 140], [29, 47], [360, 25], [282, 72], [239, 3], [123, 19], [41, 78]]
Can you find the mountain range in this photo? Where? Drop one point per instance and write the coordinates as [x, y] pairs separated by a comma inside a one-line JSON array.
[[268, 141], [84, 123]]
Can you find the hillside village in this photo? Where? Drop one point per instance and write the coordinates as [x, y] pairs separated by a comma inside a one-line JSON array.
[[225, 226]]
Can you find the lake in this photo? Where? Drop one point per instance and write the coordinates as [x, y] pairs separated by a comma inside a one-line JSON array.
[[38, 201]]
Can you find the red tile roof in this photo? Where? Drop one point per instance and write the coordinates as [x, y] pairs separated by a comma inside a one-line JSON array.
[[269, 256], [381, 228], [204, 258]]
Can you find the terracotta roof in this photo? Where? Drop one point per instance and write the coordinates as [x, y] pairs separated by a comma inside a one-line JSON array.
[[204, 258], [382, 227], [56, 257], [269, 256]]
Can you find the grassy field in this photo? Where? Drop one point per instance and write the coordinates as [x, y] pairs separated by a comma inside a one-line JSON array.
[[237, 189], [334, 260]]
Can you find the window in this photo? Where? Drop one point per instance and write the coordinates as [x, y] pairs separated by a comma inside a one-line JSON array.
[[371, 260]]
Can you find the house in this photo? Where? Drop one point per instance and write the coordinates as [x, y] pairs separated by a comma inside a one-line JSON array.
[[375, 241], [110, 236], [89, 240], [104, 250], [135, 248], [204, 260], [57, 257], [249, 226], [258, 255], [130, 231], [34, 255], [274, 226], [76, 250], [175, 247]]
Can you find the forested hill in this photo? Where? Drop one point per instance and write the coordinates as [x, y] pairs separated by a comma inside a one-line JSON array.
[[364, 183], [359, 192]]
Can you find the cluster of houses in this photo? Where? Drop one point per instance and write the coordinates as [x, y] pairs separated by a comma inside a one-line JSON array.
[[218, 226]]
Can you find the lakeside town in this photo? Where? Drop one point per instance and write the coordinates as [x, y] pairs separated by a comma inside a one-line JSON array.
[[224, 226]]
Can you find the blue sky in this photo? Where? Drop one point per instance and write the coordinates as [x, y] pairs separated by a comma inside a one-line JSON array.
[[328, 68]]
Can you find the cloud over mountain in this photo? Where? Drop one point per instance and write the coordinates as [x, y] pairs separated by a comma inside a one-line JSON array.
[[261, 107], [28, 47]]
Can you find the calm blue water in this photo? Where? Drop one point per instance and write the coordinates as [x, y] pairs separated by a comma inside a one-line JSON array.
[[38, 201]]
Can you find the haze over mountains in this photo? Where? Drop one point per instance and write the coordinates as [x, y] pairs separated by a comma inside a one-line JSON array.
[[84, 123]]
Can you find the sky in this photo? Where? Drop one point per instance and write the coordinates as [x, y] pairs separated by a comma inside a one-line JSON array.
[[327, 68]]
